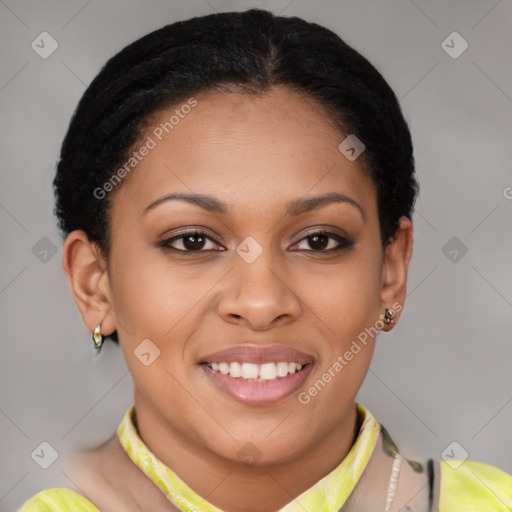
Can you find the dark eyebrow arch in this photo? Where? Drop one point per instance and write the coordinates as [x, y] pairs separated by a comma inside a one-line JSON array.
[[294, 208], [306, 205], [207, 203]]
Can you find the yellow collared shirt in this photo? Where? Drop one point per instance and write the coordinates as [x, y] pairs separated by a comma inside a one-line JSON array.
[[472, 487]]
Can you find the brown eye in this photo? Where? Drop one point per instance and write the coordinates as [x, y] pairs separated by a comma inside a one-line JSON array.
[[190, 241], [322, 241]]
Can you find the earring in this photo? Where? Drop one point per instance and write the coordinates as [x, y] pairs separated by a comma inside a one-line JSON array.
[[98, 337], [389, 315]]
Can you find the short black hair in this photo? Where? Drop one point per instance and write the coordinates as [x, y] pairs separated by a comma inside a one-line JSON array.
[[249, 51]]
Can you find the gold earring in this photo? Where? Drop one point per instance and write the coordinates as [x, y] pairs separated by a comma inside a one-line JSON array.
[[98, 337], [389, 315]]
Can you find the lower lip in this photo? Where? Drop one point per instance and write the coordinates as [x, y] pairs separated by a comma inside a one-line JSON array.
[[264, 392]]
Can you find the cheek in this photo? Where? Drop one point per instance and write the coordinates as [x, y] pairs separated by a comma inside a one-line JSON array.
[[348, 303], [348, 298], [149, 296], [154, 304], [349, 306], [154, 327]]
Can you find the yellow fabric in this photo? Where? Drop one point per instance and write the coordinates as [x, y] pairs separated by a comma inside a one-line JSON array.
[[58, 500], [472, 487], [329, 493]]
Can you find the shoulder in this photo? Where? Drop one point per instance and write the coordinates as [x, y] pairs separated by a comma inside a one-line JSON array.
[[57, 500], [474, 487]]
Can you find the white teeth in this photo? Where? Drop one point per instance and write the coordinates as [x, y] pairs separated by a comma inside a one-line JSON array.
[[265, 371], [268, 371], [235, 369], [282, 369], [250, 370]]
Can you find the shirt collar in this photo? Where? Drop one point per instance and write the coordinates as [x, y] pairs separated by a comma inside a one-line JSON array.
[[328, 494]]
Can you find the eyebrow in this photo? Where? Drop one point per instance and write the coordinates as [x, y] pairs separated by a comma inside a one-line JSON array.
[[293, 208]]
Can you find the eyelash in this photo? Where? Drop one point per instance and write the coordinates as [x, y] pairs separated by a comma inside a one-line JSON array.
[[344, 243]]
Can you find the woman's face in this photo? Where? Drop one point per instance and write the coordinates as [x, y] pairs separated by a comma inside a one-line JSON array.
[[255, 282]]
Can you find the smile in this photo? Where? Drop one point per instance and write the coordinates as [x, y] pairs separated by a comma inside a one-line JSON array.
[[256, 372], [258, 384]]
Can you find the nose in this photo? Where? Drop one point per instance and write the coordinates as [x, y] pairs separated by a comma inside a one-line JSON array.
[[259, 294]]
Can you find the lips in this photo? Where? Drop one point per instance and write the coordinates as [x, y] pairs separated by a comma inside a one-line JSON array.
[[258, 391], [258, 355]]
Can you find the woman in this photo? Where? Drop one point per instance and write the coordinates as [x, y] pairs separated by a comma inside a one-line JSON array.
[[236, 192]]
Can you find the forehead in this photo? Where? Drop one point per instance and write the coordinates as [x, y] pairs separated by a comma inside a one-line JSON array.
[[255, 149]]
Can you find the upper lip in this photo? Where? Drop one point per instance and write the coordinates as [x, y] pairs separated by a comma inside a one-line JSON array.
[[258, 354]]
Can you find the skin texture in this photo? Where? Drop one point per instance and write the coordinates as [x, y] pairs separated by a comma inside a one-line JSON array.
[[256, 153]]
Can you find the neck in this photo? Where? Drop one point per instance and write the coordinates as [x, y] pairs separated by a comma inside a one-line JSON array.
[[233, 486]]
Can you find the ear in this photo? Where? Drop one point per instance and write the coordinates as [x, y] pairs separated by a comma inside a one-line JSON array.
[[86, 272], [394, 270]]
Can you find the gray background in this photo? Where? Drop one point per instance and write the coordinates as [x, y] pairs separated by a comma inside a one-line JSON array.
[[442, 375]]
